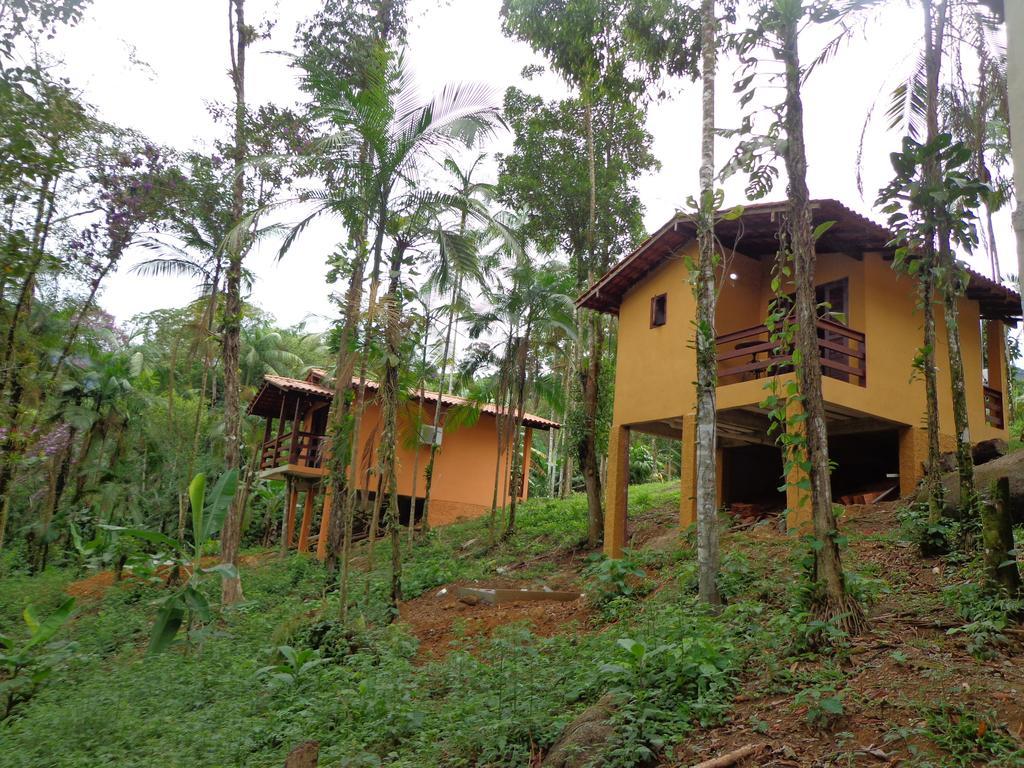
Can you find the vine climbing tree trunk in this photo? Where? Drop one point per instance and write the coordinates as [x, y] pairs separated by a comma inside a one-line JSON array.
[[935, 20], [438, 407], [932, 258], [706, 294], [231, 586], [587, 447], [389, 432], [833, 601]]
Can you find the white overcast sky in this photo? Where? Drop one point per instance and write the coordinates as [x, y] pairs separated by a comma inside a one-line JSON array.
[[184, 47]]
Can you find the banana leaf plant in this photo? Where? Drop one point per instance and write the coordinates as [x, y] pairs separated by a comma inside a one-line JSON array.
[[186, 603], [26, 667]]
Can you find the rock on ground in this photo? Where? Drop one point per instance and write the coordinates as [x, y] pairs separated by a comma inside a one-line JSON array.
[[1011, 466], [582, 740]]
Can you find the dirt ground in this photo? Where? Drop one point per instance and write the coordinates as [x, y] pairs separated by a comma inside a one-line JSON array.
[[438, 617], [906, 661], [93, 587]]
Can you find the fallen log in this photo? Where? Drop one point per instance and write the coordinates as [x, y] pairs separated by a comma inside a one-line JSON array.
[[731, 758]]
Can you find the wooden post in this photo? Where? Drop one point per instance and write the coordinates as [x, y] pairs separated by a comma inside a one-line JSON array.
[[280, 430], [617, 489], [293, 449], [307, 518], [325, 524], [289, 516]]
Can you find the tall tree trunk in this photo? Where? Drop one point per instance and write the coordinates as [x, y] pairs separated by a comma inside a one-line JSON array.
[[833, 602], [389, 432], [935, 17], [419, 423], [933, 471], [588, 440], [10, 369], [341, 417], [706, 294], [932, 258], [231, 587], [588, 449], [522, 353], [456, 292], [1002, 574]]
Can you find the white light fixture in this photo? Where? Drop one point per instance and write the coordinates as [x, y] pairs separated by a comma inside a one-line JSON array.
[[733, 276]]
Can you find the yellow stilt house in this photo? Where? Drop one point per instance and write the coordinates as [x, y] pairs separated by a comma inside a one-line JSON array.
[[295, 449], [868, 341]]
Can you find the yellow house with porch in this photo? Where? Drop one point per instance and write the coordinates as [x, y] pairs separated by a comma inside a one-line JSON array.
[[874, 404]]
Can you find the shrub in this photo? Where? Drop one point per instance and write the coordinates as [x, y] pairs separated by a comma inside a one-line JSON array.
[[641, 464], [609, 579]]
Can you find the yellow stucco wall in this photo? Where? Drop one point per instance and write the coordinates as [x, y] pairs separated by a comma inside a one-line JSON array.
[[655, 367], [464, 470]]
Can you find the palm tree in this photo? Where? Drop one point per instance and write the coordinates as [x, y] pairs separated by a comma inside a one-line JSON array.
[[532, 302], [915, 106], [383, 134], [263, 350], [458, 263]]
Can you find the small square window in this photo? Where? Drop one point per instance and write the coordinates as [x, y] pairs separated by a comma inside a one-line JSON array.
[[659, 310]]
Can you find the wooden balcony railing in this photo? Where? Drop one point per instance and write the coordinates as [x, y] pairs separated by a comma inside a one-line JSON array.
[[302, 448], [994, 407], [750, 354]]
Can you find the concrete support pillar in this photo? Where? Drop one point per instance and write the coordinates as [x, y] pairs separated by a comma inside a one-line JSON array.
[[617, 490], [798, 480], [688, 476], [325, 524], [289, 517], [307, 519], [913, 458]]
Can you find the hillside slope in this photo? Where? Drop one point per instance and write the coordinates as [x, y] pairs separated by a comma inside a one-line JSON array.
[[452, 684]]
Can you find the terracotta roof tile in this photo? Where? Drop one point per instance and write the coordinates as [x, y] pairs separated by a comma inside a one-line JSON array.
[[306, 387]]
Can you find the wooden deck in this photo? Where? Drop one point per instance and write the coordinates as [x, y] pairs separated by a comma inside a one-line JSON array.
[[751, 354]]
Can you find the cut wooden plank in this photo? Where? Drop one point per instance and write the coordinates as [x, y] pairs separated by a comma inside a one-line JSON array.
[[495, 596]]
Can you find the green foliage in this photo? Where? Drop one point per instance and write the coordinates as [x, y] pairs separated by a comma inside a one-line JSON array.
[[931, 538], [824, 705], [610, 579], [641, 464], [970, 738], [188, 600], [25, 667], [986, 617], [291, 667], [663, 685]]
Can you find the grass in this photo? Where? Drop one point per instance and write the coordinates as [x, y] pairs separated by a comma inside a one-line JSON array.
[[671, 666]]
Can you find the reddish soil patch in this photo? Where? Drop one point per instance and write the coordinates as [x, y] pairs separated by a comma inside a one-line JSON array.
[[437, 620], [93, 587]]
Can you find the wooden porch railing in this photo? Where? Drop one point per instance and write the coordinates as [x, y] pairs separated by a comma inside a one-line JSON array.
[[750, 354], [994, 407], [302, 448]]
